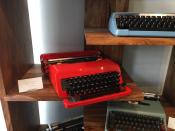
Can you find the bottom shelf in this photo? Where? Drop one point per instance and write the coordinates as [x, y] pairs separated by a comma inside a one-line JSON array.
[[95, 115], [48, 92]]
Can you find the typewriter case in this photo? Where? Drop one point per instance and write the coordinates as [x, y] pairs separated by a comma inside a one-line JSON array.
[[60, 70]]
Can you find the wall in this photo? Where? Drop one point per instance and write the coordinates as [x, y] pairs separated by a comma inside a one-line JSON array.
[[56, 26], [147, 65], [164, 6]]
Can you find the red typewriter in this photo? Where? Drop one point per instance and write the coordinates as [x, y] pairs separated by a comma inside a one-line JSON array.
[[83, 78]]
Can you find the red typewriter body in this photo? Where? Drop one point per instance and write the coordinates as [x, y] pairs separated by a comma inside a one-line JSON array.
[[65, 75]]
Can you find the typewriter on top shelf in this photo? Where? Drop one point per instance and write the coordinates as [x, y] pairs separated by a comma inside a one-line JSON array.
[[83, 78], [138, 24]]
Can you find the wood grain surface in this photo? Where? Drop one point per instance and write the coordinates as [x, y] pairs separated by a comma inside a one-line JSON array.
[[169, 87], [24, 116], [95, 116], [45, 94], [121, 5], [168, 107], [97, 12], [103, 37], [15, 38], [2, 89], [16, 57]]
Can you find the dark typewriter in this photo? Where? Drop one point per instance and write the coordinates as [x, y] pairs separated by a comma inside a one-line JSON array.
[[148, 116], [83, 78], [72, 125], [138, 24], [75, 124]]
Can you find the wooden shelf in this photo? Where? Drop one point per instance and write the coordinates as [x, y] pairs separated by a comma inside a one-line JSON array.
[[48, 92], [45, 94], [103, 37]]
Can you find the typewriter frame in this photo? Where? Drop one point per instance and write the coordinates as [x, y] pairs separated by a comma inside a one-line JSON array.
[[58, 71], [112, 26]]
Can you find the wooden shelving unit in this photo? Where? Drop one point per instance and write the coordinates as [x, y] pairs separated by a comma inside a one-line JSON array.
[[16, 62], [104, 37]]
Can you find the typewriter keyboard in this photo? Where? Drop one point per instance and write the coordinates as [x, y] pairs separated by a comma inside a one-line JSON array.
[[146, 22], [89, 86], [125, 121]]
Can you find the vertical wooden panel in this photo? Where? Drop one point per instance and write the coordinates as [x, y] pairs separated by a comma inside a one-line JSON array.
[[6, 58], [122, 5], [2, 90], [15, 38], [97, 13], [21, 116], [16, 56], [113, 52], [169, 88], [24, 116], [18, 19], [94, 117]]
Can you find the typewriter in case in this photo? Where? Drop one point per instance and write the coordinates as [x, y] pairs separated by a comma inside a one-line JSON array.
[[142, 24], [83, 78]]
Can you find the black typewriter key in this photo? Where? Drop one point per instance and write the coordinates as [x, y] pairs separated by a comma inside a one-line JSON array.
[[154, 17], [148, 17], [159, 17], [66, 84], [71, 92], [142, 17]]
